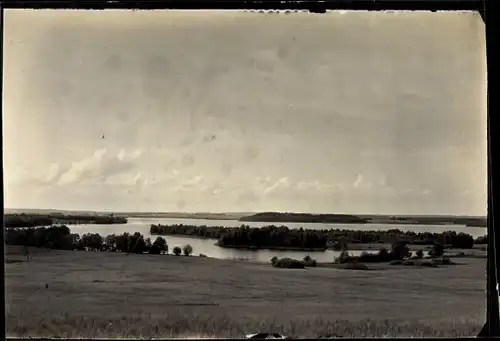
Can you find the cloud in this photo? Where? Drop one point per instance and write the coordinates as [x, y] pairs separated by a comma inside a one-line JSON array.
[[309, 185], [425, 192], [382, 181], [192, 184], [124, 179], [361, 183], [99, 167], [52, 172], [279, 184]]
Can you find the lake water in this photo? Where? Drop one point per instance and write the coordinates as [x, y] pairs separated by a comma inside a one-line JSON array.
[[207, 247]]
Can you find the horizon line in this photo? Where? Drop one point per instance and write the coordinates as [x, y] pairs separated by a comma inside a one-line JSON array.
[[248, 212]]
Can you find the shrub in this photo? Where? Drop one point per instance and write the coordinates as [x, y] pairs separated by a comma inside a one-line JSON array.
[[355, 266], [177, 251], [419, 254], [442, 261], [344, 257], [481, 240], [429, 263], [309, 261], [159, 246], [437, 250], [288, 263], [202, 255], [400, 250], [274, 259], [383, 252], [187, 250], [381, 256]]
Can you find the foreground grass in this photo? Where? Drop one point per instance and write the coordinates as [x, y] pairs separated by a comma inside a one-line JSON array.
[[226, 325], [92, 294]]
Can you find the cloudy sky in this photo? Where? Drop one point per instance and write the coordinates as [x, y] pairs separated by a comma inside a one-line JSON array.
[[237, 112]]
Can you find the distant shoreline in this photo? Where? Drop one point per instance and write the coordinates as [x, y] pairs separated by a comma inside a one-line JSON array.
[[268, 217]]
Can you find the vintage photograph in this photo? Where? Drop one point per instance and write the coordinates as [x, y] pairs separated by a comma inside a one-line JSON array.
[[246, 174]]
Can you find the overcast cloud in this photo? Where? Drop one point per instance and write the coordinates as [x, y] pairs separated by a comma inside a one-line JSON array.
[[365, 112]]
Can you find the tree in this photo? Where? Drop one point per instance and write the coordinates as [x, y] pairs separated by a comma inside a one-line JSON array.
[[400, 251], [136, 243], [159, 246], [177, 251], [383, 253], [187, 250], [437, 250]]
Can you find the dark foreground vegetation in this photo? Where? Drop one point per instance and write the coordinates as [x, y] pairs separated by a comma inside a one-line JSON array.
[[273, 217], [281, 237], [34, 220], [399, 254], [60, 238]]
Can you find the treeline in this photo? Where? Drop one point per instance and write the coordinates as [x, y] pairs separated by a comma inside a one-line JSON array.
[[283, 237], [202, 231], [34, 220], [451, 239], [399, 251], [427, 220], [273, 217], [305, 218], [60, 238], [267, 237]]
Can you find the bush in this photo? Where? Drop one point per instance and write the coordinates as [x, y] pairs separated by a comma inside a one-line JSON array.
[[159, 246], [177, 251], [442, 261], [344, 257], [437, 250], [202, 255], [383, 252], [428, 263], [400, 250], [381, 256], [309, 261], [396, 262], [288, 263], [274, 259], [481, 240], [355, 266], [419, 254], [187, 250]]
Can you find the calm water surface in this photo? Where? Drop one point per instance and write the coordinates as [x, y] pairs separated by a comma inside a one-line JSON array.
[[207, 247]]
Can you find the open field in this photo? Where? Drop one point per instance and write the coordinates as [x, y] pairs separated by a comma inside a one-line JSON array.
[[92, 294]]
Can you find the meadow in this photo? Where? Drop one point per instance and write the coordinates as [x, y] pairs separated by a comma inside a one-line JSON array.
[[107, 294]]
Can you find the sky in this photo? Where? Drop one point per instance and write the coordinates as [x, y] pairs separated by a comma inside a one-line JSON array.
[[198, 111]]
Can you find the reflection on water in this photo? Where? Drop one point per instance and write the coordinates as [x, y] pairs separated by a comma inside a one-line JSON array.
[[208, 247]]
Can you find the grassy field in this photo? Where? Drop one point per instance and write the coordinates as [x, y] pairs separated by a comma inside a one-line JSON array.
[[86, 294]]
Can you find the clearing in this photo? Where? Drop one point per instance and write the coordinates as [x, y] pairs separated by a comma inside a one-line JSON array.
[[97, 294]]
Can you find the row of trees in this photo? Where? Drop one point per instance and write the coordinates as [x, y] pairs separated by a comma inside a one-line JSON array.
[[398, 251], [35, 220], [59, 237], [282, 236]]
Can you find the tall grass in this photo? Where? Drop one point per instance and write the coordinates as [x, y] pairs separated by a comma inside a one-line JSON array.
[[225, 325]]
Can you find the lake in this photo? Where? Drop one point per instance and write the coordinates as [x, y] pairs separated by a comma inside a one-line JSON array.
[[207, 247]]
